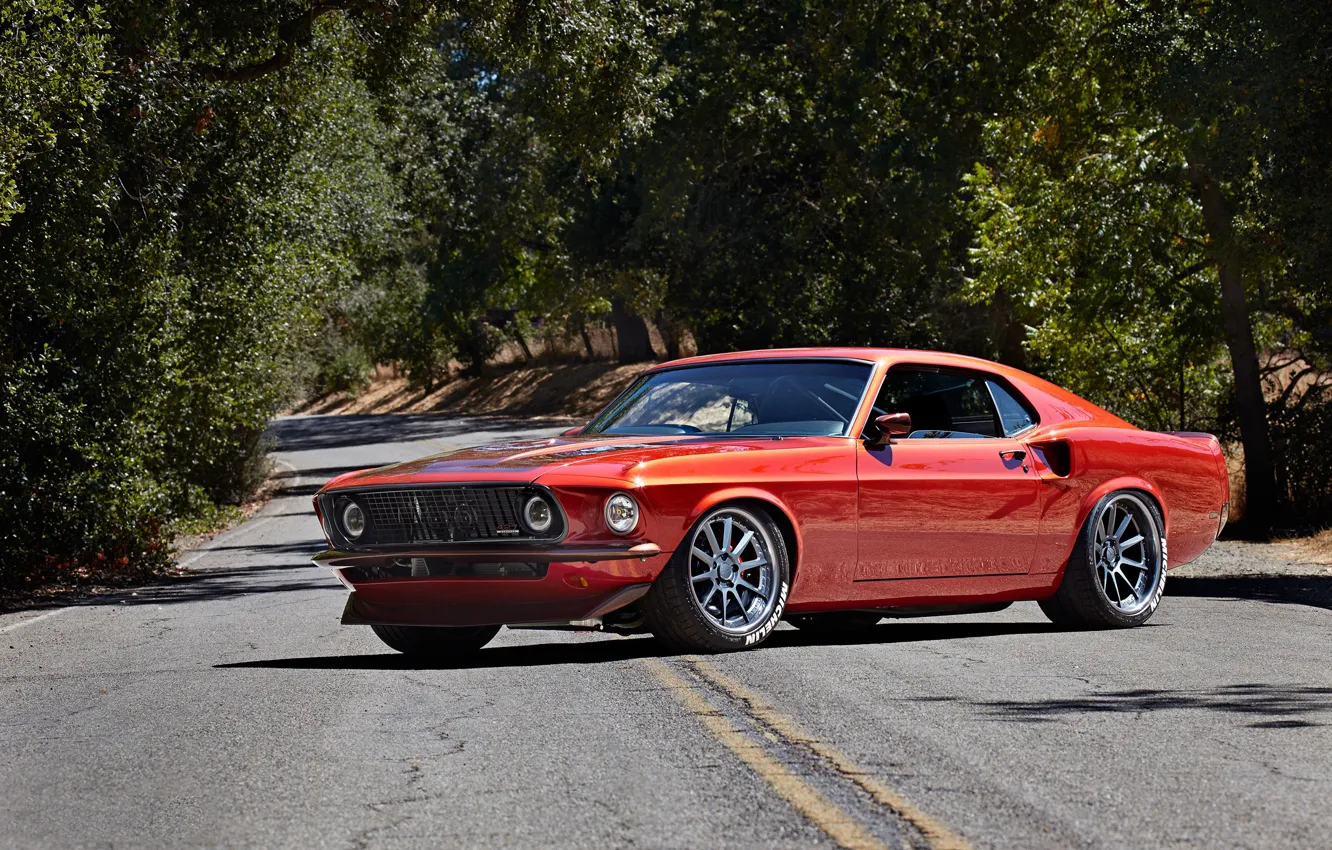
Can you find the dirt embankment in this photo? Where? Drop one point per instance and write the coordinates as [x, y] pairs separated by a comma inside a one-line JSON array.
[[572, 390]]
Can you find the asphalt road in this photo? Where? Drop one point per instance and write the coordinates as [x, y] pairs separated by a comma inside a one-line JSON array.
[[232, 709]]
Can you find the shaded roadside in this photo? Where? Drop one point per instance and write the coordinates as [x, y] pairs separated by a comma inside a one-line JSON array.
[[1289, 590], [115, 583], [1293, 572]]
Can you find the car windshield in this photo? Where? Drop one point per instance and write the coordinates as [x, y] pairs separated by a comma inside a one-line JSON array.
[[760, 398]]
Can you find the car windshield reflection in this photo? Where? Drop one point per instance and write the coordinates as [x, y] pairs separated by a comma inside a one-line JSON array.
[[811, 398]]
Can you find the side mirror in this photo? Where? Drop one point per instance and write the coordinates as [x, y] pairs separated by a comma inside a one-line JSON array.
[[572, 432], [891, 425]]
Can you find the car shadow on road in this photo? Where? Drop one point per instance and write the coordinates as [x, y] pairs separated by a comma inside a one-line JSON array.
[[1290, 590], [298, 490], [324, 473], [626, 649], [532, 655]]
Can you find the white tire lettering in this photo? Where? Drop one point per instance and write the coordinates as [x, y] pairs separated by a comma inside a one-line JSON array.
[[1165, 565], [763, 630]]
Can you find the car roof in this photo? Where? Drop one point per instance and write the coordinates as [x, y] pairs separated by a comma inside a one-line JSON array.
[[874, 355], [1054, 403]]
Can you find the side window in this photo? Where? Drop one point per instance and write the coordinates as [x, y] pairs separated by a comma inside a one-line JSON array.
[[1012, 415], [942, 404]]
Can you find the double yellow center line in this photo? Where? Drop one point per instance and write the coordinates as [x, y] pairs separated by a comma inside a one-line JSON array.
[[803, 797]]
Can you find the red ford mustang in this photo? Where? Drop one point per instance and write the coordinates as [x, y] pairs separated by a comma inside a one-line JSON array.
[[831, 487]]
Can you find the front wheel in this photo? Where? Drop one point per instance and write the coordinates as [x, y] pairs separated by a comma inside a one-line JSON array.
[[1117, 572], [725, 587], [436, 643]]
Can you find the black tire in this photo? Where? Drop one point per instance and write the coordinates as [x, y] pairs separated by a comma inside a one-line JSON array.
[[835, 621], [436, 643], [1083, 600], [680, 619]]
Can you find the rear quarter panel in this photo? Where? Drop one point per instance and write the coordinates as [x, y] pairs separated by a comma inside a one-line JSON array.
[[1184, 476]]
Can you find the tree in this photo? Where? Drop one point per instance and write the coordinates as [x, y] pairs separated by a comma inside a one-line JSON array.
[[1138, 189], [50, 51], [801, 188], [189, 193]]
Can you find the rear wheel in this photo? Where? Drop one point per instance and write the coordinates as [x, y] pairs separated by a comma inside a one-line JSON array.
[[436, 643], [836, 621], [725, 588], [1117, 571]]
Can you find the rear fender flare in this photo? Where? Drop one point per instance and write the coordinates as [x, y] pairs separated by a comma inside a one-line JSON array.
[[1123, 482]]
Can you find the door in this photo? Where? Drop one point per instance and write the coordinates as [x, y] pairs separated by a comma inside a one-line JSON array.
[[957, 496]]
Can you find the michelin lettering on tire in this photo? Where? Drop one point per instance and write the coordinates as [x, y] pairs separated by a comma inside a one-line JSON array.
[[1165, 566], [762, 631]]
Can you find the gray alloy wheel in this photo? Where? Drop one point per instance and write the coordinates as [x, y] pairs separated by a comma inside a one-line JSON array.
[[436, 643], [725, 588], [1117, 571]]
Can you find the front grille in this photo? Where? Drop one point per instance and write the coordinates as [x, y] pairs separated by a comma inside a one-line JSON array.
[[462, 514]]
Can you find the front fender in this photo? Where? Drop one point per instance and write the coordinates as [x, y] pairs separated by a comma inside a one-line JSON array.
[[753, 494]]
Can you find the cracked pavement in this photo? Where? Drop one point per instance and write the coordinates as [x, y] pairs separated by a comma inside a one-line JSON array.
[[232, 709]]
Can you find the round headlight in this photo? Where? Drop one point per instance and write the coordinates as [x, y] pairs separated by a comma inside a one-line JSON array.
[[621, 513], [353, 520], [537, 515]]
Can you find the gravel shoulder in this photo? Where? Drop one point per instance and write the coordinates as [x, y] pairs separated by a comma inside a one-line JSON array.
[[1241, 559], [1297, 572]]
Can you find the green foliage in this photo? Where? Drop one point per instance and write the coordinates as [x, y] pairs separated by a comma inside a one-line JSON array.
[[50, 55], [1153, 152], [1302, 432], [208, 209], [173, 252], [801, 190], [343, 364], [1108, 269]]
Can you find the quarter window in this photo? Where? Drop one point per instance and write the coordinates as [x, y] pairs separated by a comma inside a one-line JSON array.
[[1012, 415]]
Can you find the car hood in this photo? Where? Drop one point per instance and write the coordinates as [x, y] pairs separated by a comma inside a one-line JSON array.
[[527, 460]]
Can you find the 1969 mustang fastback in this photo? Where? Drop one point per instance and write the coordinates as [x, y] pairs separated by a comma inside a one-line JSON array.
[[829, 487]]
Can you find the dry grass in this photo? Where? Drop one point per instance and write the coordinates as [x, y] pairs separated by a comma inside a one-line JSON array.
[[574, 390], [1316, 549]]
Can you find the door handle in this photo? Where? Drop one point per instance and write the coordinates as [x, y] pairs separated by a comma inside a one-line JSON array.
[[1014, 455]]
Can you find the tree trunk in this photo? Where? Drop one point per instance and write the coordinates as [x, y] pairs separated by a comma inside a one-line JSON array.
[[670, 334], [631, 334], [1259, 468], [1008, 330], [522, 342], [587, 342], [581, 321]]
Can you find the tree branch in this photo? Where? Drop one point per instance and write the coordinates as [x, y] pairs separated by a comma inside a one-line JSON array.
[[1185, 274], [1293, 383], [1304, 320], [292, 33]]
